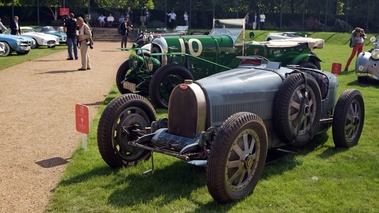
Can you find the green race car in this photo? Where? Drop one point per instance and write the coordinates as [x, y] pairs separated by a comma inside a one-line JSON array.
[[166, 61]]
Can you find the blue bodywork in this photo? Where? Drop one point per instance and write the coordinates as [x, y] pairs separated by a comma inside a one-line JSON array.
[[19, 44]]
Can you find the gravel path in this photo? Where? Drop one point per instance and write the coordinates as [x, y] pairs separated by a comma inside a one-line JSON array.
[[37, 121]]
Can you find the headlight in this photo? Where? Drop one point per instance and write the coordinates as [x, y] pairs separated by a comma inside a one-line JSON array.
[[150, 65], [375, 54], [18, 43], [361, 67]]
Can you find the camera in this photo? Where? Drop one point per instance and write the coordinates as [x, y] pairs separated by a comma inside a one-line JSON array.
[[90, 43]]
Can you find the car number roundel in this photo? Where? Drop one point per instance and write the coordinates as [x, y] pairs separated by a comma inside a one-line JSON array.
[[191, 46]]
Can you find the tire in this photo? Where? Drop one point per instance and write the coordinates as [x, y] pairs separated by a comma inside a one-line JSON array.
[[269, 39], [117, 126], [348, 119], [7, 49], [232, 176], [308, 64], [36, 44], [164, 81], [120, 76], [290, 104], [363, 80]]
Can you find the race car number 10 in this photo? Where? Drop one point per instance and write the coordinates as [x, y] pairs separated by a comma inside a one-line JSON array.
[[191, 46]]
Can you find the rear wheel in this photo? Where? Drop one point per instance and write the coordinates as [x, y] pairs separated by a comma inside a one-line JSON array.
[[164, 81], [120, 76], [298, 109], [121, 122], [237, 157], [348, 119]]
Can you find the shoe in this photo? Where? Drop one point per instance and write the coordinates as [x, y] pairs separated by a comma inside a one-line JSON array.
[[69, 59], [82, 69], [345, 70], [76, 58], [89, 68]]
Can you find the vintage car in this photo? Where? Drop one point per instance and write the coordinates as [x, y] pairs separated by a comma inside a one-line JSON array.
[[282, 35], [40, 39], [50, 30], [367, 64], [21, 45], [204, 55], [230, 120]]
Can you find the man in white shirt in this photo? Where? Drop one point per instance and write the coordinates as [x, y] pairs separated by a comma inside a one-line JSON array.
[[186, 18], [172, 19], [262, 18], [110, 20]]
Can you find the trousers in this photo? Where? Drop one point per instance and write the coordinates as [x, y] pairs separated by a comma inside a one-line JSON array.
[[86, 63]]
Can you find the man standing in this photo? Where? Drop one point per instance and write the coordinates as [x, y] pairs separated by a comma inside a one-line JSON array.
[[84, 36], [255, 21], [15, 27], [186, 18], [70, 28], [262, 18], [129, 15], [172, 19], [125, 29]]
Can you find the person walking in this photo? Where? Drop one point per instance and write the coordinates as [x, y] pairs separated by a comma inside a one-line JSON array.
[[125, 28], [84, 36], [15, 27], [70, 29], [357, 38], [2, 27]]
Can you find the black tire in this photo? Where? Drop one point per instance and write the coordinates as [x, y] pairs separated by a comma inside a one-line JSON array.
[[296, 118], [269, 39], [348, 119], [232, 176], [117, 126], [164, 81], [7, 49], [363, 80], [308, 64], [36, 44], [120, 76]]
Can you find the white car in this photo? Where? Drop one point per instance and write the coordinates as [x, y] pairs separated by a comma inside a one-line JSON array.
[[41, 39], [282, 35]]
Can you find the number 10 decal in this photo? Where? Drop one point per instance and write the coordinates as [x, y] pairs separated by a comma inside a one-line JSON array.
[[191, 45]]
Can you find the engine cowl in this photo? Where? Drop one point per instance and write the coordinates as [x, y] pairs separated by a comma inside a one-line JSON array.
[[187, 110]]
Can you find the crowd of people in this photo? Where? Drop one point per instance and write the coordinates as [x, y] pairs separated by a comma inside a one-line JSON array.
[[257, 22]]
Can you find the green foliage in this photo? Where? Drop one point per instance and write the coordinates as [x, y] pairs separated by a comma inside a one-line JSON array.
[[319, 178]]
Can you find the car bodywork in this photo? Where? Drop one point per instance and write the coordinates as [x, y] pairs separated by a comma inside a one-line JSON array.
[[367, 64], [19, 44], [50, 30], [40, 39], [230, 120], [204, 55], [282, 35]]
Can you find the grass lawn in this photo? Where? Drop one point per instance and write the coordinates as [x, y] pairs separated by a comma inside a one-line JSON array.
[[14, 59], [319, 178]]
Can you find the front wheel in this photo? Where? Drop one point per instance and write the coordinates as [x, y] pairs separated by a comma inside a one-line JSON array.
[[348, 119], [237, 157], [164, 81], [7, 50], [120, 76], [121, 122]]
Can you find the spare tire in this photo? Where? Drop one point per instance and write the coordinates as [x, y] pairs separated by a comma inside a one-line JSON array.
[[297, 109]]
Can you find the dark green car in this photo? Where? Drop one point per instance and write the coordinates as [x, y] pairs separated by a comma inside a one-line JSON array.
[[160, 65]]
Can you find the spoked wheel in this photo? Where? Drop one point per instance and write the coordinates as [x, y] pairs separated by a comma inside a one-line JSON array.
[[298, 109], [122, 121], [348, 119], [237, 157], [164, 81]]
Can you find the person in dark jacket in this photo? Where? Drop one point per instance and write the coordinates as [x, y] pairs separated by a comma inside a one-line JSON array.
[[15, 27], [125, 28], [70, 28]]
